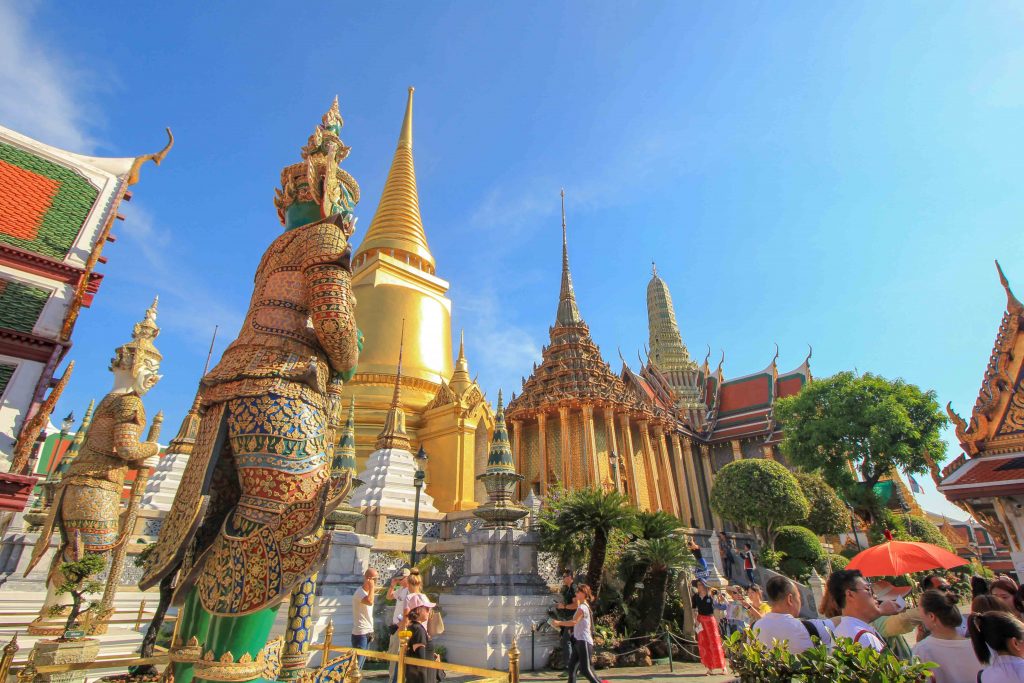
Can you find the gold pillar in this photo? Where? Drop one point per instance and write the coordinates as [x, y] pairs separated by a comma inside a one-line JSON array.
[[700, 514], [769, 452], [705, 456], [563, 433], [627, 443], [668, 489], [517, 453], [542, 447], [593, 467], [737, 451], [613, 446], [653, 491], [681, 486]]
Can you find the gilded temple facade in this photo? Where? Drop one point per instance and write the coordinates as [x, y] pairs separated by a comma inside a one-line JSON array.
[[399, 295], [657, 434]]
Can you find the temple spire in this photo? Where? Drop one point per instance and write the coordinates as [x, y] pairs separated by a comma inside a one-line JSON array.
[[667, 349], [345, 452], [394, 435], [461, 381], [397, 225], [568, 312]]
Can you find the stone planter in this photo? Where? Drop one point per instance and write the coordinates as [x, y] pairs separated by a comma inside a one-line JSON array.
[[78, 651]]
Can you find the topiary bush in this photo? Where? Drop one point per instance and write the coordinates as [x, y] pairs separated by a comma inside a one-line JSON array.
[[800, 543], [828, 514], [837, 562], [760, 493]]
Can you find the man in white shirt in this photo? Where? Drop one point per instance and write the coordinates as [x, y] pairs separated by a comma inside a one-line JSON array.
[[856, 600], [782, 624], [362, 613]]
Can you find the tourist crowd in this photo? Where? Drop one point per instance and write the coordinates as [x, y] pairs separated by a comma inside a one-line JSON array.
[[984, 643]]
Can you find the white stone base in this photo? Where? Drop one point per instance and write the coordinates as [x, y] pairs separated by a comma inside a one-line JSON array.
[[342, 573], [479, 629]]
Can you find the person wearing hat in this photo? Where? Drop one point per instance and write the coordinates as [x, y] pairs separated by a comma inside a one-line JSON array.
[[418, 608], [709, 641]]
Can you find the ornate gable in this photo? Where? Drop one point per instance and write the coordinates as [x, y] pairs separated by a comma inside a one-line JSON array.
[[997, 422]]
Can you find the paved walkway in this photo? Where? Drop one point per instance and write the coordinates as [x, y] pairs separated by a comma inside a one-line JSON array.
[[653, 674]]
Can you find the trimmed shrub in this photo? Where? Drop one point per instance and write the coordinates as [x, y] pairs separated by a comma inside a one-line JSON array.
[[799, 544]]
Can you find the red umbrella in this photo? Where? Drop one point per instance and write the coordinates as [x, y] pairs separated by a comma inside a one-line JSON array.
[[903, 557]]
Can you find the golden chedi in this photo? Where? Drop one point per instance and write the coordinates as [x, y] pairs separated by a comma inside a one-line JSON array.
[[394, 281]]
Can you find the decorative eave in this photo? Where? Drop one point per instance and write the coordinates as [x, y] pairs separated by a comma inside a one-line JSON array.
[[38, 264], [997, 422], [27, 346]]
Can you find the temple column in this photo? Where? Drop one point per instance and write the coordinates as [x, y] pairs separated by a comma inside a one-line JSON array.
[[681, 486], [705, 456], [653, 491], [591, 466], [700, 515], [769, 452], [613, 447], [563, 433], [668, 492], [542, 446], [517, 453], [627, 444], [737, 451]]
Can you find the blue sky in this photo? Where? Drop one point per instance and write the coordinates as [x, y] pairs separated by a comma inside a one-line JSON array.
[[835, 174]]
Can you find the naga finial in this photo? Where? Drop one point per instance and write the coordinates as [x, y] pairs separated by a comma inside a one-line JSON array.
[[1012, 303], [133, 172]]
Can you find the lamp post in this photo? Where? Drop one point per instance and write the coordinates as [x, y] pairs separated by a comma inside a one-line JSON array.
[[418, 481]]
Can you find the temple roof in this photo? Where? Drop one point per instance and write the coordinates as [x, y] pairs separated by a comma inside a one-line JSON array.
[[571, 369], [397, 224]]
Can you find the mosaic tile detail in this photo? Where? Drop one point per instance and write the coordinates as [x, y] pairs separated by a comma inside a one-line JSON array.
[[42, 204], [21, 304], [403, 527]]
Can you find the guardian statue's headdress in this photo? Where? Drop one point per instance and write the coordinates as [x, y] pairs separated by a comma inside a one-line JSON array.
[[316, 188]]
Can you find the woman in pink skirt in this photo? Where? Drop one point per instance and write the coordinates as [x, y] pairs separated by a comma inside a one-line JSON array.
[[709, 642]]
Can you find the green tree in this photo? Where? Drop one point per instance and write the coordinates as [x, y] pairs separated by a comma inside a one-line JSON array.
[[759, 493], [78, 581], [572, 548], [597, 514], [829, 514], [661, 556], [649, 525], [802, 551], [871, 423]]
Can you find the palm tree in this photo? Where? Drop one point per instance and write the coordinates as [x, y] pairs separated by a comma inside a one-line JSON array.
[[649, 525], [661, 556], [598, 513]]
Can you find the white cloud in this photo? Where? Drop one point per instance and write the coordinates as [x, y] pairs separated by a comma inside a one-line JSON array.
[[502, 351], [39, 88], [188, 305]]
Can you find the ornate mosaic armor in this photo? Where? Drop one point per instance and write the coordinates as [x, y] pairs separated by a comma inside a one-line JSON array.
[[246, 526]]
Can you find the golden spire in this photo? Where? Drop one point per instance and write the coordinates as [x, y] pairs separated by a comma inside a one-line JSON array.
[[397, 224], [461, 380], [394, 435], [568, 312]]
